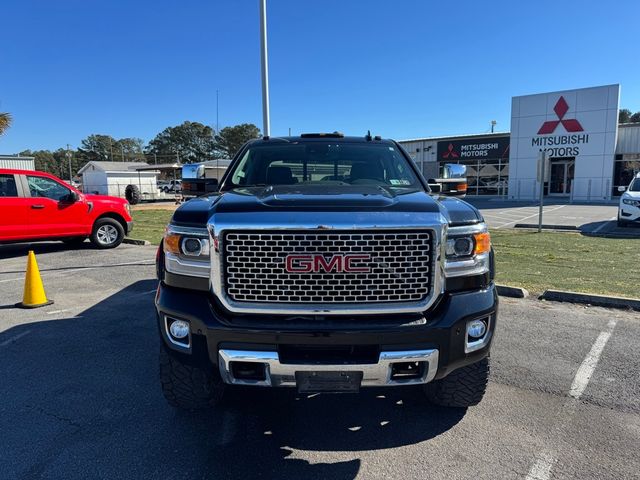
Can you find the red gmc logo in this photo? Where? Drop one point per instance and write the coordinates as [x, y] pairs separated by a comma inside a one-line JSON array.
[[318, 263]]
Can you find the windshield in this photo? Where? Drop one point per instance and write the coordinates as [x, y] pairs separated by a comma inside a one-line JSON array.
[[635, 185], [317, 163]]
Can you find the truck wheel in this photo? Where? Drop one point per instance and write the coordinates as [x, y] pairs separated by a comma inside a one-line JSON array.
[[186, 386], [107, 233], [132, 194], [462, 388]]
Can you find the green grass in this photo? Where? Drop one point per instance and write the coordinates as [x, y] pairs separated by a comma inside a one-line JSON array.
[[150, 224], [563, 261], [567, 261]]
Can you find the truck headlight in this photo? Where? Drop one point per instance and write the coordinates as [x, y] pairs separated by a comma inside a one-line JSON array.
[[467, 251], [186, 251]]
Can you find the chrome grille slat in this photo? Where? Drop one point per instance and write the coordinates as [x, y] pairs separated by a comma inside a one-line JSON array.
[[400, 267]]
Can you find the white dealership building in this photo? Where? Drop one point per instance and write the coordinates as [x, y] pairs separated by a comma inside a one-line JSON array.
[[589, 153]]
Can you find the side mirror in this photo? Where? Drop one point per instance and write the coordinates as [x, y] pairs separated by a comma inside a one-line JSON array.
[[434, 186], [71, 198], [622, 189], [454, 170]]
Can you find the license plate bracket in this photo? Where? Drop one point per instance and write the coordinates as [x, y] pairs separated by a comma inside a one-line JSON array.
[[329, 382]]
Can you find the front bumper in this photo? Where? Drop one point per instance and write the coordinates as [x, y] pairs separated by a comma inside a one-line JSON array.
[[629, 213], [438, 338], [129, 227], [280, 374]]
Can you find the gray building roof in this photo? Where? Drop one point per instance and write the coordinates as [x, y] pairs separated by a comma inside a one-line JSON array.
[[113, 166]]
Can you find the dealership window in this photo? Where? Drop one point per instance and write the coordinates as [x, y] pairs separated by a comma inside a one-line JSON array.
[[624, 169], [486, 176]]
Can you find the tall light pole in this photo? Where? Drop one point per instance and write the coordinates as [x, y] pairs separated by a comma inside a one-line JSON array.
[[266, 127], [68, 155]]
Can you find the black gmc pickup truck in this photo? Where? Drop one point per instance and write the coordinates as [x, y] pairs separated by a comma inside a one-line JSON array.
[[324, 263]]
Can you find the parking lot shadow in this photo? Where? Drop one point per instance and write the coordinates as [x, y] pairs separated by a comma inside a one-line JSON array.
[[81, 399], [12, 250], [609, 229]]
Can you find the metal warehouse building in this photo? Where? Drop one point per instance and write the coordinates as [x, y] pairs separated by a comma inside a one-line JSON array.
[[17, 162], [590, 154]]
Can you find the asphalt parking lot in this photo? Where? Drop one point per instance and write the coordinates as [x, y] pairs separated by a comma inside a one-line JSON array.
[[588, 219], [80, 395]]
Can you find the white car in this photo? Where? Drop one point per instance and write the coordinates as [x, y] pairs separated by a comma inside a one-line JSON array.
[[629, 209]]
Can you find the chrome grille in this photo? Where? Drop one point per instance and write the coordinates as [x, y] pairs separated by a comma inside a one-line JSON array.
[[400, 266]]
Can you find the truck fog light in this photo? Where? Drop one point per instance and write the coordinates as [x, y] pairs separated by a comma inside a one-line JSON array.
[[476, 328], [179, 329]]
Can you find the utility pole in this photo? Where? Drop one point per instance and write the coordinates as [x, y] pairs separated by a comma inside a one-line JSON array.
[[217, 117], [541, 172], [493, 124], [266, 127], [111, 149], [155, 158], [68, 155], [122, 151]]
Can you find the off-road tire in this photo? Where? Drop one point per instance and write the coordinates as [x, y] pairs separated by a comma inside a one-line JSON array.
[[113, 226], [132, 194], [187, 386], [74, 241], [462, 388]]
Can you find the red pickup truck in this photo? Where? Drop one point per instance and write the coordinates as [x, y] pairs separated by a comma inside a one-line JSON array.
[[38, 206]]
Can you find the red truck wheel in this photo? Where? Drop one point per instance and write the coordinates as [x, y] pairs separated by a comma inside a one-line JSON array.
[[107, 233]]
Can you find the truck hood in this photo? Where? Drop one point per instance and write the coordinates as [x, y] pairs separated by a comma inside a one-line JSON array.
[[325, 206], [324, 198], [106, 199]]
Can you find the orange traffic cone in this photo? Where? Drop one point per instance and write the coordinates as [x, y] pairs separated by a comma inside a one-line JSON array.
[[34, 295]]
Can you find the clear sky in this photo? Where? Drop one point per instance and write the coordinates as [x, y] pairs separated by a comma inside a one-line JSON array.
[[401, 68]]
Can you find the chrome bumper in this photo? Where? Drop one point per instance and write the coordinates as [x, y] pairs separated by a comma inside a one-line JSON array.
[[284, 375]]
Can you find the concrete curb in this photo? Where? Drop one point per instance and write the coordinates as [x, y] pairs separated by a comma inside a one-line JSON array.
[[513, 292], [591, 299], [134, 241], [571, 228]]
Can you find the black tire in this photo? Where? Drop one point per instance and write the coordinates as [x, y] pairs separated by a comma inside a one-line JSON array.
[[186, 386], [74, 241], [132, 194], [462, 388], [107, 233]]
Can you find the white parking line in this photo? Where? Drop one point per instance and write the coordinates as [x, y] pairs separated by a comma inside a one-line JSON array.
[[586, 369], [541, 469], [604, 225], [58, 311], [14, 338], [533, 215], [67, 271]]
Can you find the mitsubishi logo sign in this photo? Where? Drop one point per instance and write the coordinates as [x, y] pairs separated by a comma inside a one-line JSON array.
[[450, 152], [569, 124]]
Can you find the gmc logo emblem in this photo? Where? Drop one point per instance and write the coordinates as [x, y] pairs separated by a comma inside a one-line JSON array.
[[319, 263]]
